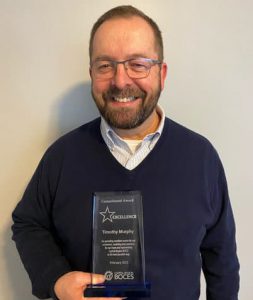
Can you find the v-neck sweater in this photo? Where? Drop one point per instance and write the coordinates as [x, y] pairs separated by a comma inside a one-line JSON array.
[[188, 220]]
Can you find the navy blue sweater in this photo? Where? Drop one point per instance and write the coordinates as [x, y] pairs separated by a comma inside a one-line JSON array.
[[188, 221]]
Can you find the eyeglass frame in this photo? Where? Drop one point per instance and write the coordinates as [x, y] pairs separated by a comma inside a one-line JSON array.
[[116, 63]]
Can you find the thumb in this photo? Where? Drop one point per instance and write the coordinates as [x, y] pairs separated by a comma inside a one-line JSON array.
[[91, 278], [97, 278]]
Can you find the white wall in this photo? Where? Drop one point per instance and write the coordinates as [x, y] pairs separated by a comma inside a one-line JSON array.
[[45, 92]]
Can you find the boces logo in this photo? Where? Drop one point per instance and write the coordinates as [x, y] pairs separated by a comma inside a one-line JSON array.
[[109, 275]]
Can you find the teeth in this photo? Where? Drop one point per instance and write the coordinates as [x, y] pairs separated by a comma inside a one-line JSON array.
[[128, 99]]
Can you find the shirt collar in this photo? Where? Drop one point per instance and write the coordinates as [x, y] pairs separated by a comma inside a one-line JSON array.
[[111, 138]]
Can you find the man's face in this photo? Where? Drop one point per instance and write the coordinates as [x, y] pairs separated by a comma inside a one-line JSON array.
[[126, 103]]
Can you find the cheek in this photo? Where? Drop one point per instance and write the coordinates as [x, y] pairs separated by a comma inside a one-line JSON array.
[[99, 87], [150, 86], [152, 83], [144, 85]]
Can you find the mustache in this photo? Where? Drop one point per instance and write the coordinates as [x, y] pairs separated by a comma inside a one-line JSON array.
[[124, 93]]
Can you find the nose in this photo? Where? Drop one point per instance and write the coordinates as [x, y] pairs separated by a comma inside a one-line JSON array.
[[120, 78]]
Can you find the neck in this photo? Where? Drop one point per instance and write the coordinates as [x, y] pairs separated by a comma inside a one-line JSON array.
[[150, 125]]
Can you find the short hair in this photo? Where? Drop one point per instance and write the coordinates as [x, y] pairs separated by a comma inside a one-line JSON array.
[[128, 11]]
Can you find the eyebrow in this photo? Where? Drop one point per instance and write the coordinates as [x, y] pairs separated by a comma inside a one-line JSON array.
[[132, 56]]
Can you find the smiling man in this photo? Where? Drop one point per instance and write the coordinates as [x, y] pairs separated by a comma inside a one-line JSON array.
[[188, 220], [127, 75]]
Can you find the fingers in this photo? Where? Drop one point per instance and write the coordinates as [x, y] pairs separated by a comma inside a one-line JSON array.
[[71, 286]]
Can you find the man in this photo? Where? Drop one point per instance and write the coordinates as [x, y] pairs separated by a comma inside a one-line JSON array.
[[188, 221]]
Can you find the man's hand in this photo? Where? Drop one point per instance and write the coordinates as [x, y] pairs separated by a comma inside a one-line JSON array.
[[71, 286]]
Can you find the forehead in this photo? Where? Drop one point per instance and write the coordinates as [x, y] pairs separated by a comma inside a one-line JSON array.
[[121, 38]]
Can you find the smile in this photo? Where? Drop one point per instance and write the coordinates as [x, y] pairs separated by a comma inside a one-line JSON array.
[[125, 99]]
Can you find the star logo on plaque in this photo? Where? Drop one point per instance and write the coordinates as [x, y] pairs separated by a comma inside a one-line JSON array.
[[107, 215]]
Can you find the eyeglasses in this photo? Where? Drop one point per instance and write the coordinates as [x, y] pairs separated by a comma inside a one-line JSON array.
[[136, 68]]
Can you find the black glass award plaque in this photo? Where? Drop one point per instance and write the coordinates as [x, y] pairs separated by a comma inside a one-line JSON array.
[[118, 245]]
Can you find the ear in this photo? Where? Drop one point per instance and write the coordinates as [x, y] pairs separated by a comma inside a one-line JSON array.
[[90, 71], [163, 74]]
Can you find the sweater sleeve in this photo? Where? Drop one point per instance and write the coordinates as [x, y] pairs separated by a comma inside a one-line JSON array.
[[218, 250], [33, 232]]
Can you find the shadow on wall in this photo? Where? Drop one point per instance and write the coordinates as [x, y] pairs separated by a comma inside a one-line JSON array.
[[72, 109]]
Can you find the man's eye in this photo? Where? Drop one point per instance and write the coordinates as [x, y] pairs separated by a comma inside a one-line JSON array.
[[137, 65], [104, 67]]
